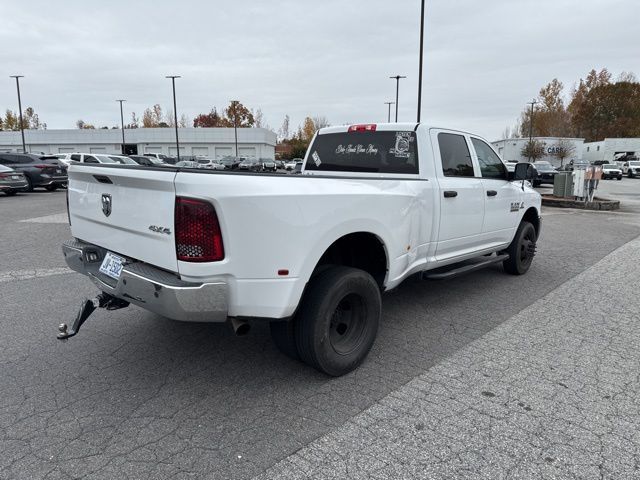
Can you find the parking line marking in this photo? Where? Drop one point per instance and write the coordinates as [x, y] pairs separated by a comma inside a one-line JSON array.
[[55, 218], [17, 275]]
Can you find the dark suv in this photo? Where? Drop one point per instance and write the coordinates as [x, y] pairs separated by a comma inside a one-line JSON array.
[[39, 170]]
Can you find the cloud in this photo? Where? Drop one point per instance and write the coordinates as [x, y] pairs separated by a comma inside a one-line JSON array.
[[483, 60]]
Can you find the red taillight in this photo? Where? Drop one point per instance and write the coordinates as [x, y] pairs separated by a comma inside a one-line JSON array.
[[42, 166], [198, 235], [369, 127], [4, 175]]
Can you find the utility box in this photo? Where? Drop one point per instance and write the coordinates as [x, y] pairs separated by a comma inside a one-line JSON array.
[[563, 184]]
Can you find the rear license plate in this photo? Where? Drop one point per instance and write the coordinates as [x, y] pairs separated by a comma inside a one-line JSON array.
[[112, 265]]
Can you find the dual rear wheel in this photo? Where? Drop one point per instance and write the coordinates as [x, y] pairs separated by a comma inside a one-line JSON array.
[[336, 323]]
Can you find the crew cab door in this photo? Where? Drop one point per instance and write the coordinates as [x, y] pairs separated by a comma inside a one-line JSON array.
[[502, 199], [461, 195]]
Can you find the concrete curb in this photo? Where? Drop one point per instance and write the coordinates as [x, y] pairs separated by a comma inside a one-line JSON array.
[[597, 204]]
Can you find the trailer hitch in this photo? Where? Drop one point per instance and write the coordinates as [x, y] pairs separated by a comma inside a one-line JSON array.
[[103, 300]]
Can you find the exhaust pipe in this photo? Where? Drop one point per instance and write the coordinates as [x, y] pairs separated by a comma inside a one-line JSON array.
[[240, 327]]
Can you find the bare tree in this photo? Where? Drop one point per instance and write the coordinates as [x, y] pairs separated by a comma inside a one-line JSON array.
[[627, 77], [283, 133], [563, 149], [533, 149], [184, 121], [258, 118], [320, 121]]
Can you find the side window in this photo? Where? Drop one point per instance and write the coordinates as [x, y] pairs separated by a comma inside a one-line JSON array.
[[90, 159], [76, 157], [7, 160], [456, 159], [490, 164]]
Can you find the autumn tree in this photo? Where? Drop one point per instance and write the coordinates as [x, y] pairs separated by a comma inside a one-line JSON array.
[[236, 114], [11, 121], [30, 120], [208, 120], [82, 125], [603, 109], [550, 117], [152, 117], [533, 149]]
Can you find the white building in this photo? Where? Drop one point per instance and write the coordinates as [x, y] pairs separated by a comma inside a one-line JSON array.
[[511, 149], [609, 148], [211, 142]]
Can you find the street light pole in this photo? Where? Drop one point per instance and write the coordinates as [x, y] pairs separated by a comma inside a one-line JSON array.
[[421, 55], [532, 103], [18, 77], [122, 123], [397, 78], [175, 111], [235, 122], [389, 112]]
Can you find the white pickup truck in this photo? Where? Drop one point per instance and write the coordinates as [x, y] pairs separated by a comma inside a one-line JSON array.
[[309, 253]]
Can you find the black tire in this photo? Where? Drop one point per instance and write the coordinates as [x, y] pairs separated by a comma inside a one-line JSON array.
[[10, 193], [29, 183], [522, 250], [51, 188], [337, 321], [283, 335], [620, 177], [630, 174], [535, 183]]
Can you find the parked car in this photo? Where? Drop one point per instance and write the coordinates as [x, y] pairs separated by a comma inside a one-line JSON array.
[[249, 165], [268, 165], [230, 163], [290, 165], [631, 168], [599, 162], [188, 164], [85, 157], [187, 250], [39, 170], [210, 164], [159, 156], [123, 159], [147, 161], [298, 167], [545, 173], [12, 182], [279, 164], [610, 170]]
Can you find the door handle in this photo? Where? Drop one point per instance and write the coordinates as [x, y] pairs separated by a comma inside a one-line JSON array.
[[450, 193], [491, 193]]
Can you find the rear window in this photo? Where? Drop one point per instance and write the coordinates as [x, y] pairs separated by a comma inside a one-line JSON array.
[[369, 152]]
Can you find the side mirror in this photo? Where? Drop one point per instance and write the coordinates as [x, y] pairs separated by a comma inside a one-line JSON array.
[[524, 171]]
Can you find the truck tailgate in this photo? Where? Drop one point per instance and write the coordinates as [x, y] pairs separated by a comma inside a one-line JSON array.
[[115, 207]]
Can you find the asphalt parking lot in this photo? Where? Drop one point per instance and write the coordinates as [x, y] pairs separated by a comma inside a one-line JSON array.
[[138, 396]]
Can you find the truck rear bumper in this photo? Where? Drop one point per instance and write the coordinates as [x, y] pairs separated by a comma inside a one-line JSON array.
[[151, 288]]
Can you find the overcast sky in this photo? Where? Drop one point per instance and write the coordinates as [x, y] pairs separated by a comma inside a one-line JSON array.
[[483, 59]]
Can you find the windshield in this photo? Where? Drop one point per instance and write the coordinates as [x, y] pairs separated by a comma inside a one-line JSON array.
[[155, 160], [608, 165], [634, 164], [204, 161], [368, 151]]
